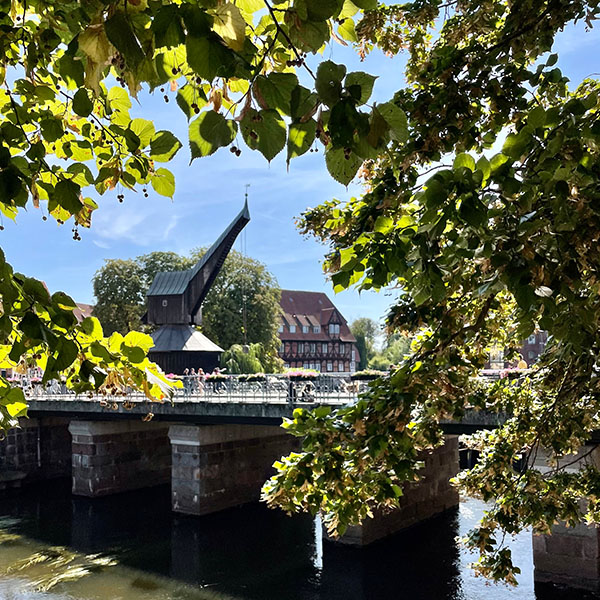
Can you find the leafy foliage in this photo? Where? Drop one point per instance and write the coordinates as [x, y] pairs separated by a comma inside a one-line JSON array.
[[486, 216], [365, 331], [252, 359]]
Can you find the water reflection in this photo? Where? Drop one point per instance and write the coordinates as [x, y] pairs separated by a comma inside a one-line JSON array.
[[247, 553]]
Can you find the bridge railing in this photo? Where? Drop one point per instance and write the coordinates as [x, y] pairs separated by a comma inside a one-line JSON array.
[[275, 388]]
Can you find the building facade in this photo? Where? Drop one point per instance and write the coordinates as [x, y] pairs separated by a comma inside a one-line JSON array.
[[315, 335]]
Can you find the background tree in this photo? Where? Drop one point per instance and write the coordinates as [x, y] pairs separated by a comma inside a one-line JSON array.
[[395, 348], [157, 261], [243, 284], [365, 331], [118, 287], [238, 359]]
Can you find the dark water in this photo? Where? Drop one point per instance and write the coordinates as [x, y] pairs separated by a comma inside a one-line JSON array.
[[246, 553]]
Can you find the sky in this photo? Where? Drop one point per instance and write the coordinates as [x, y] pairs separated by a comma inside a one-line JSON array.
[[210, 192]]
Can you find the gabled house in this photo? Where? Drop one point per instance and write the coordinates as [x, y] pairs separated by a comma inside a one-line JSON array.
[[314, 334]]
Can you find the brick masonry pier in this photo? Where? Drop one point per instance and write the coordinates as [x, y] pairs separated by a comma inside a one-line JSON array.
[[39, 449], [118, 456], [570, 556], [420, 501], [219, 466]]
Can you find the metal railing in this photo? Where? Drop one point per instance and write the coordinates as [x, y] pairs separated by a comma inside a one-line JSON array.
[[275, 388]]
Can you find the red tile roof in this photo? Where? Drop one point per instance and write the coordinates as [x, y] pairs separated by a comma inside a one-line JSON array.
[[301, 307]]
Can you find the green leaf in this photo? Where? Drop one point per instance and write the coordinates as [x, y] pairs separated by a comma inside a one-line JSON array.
[[264, 131], [309, 35], [118, 99], [163, 182], [121, 36], [275, 91], [342, 169], [321, 10], [300, 138], [537, 117], [91, 327], [134, 354], [10, 185], [36, 289], [31, 326], [209, 57], [396, 119], [209, 132], [143, 129], [483, 165], [82, 104], [52, 129], [164, 146], [329, 82], [17, 409], [66, 194], [167, 28], [464, 160], [347, 31], [364, 81], [303, 103], [191, 99], [230, 25], [67, 352], [135, 338]]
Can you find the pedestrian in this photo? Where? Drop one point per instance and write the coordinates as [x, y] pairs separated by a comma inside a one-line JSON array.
[[186, 381], [193, 381], [201, 378]]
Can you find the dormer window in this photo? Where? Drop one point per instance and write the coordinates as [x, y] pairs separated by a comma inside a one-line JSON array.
[[292, 329]]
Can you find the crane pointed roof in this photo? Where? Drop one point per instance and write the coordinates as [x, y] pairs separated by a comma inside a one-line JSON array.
[[198, 280]]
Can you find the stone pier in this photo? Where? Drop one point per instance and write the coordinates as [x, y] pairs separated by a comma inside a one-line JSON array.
[[419, 502], [38, 449], [219, 466], [117, 456], [570, 556]]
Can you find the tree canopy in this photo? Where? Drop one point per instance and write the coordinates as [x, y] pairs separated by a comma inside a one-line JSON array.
[[486, 217], [243, 284], [480, 204], [365, 331]]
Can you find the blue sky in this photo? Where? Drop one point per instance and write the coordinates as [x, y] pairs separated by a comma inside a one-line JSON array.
[[210, 192]]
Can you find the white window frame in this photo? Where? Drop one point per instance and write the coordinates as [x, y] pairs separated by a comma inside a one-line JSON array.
[[317, 329], [305, 329], [292, 329], [329, 366], [324, 347]]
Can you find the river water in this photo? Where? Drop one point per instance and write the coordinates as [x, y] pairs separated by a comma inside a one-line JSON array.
[[55, 547]]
